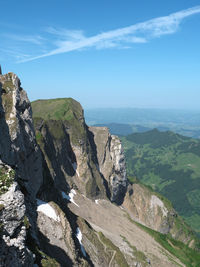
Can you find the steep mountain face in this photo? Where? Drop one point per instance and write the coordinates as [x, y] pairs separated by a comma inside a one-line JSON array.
[[157, 213], [56, 194], [63, 138], [111, 162], [21, 166], [89, 159], [19, 147]]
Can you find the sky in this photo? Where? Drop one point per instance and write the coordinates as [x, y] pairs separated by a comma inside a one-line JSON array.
[[116, 53]]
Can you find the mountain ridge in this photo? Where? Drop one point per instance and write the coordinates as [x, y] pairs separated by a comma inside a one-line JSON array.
[[72, 210]]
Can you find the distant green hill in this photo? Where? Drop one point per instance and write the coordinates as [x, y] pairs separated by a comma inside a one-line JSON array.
[[123, 129], [124, 121], [170, 164], [126, 129]]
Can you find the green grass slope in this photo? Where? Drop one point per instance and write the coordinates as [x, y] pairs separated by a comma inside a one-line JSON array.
[[55, 112], [186, 255], [170, 164], [57, 109]]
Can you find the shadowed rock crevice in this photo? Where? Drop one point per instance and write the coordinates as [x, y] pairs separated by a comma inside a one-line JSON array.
[[54, 252], [51, 194], [111, 162], [58, 154], [95, 157], [19, 151], [6, 152], [67, 149]]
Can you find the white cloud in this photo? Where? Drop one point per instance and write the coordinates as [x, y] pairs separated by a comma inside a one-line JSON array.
[[122, 37], [16, 54], [66, 34], [38, 40]]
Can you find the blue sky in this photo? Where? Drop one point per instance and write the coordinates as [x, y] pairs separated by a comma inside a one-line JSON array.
[[104, 53]]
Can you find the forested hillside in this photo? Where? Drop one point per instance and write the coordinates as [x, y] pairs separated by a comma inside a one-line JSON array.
[[170, 164]]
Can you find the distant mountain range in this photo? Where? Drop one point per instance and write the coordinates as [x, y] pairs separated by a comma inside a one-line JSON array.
[[127, 121]]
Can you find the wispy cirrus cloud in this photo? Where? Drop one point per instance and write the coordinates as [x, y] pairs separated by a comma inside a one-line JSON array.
[[64, 41], [34, 39], [14, 53], [64, 33]]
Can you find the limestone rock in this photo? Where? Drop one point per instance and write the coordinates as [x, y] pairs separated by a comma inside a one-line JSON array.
[[111, 162], [18, 152], [18, 146], [149, 209], [56, 237], [13, 250], [89, 159], [67, 147]]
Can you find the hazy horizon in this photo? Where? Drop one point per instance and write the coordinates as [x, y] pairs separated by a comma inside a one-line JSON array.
[[146, 108]]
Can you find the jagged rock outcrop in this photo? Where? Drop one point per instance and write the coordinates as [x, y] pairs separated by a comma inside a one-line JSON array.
[[13, 249], [88, 159], [157, 213], [21, 157], [111, 162], [18, 146], [149, 209]]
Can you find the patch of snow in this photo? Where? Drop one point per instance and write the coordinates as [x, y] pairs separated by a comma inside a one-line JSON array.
[[97, 201], [70, 197], [155, 202], [45, 208], [79, 237]]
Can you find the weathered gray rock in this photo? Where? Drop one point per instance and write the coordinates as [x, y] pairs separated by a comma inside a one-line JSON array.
[[56, 236], [18, 146], [118, 179], [155, 212], [19, 152], [70, 163], [13, 250], [111, 162]]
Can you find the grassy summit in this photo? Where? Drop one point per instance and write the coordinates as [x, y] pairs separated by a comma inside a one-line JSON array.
[[170, 164], [56, 112], [57, 109]]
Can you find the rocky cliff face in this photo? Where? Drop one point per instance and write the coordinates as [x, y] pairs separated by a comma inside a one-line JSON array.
[[20, 170], [111, 162], [157, 213], [13, 251], [18, 146], [89, 159], [57, 189]]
